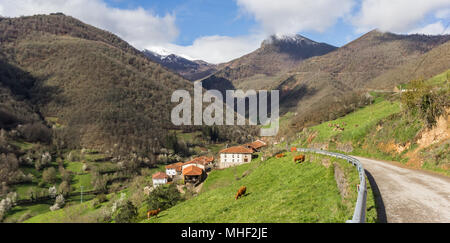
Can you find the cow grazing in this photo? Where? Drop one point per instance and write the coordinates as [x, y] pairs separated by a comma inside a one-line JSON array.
[[152, 213], [279, 156], [299, 159], [241, 192]]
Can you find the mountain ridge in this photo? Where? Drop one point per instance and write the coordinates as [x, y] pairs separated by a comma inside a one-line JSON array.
[[274, 58], [190, 69]]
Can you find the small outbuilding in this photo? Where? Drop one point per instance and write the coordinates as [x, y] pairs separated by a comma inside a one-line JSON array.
[[159, 178], [173, 170], [193, 174]]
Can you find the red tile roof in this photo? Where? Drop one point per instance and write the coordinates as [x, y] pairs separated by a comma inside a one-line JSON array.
[[237, 150], [160, 175], [203, 160], [256, 144], [192, 171], [174, 166]]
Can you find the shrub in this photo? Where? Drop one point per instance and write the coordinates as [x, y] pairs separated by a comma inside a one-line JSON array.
[[164, 197], [422, 101], [126, 213], [101, 198], [99, 182], [49, 175], [37, 132], [66, 176], [64, 188], [52, 191], [59, 203], [6, 204]]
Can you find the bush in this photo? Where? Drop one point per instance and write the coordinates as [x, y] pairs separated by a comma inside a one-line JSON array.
[[66, 176], [422, 101], [126, 213], [6, 204], [101, 198], [59, 203], [49, 175], [64, 188], [164, 197], [99, 182], [37, 132]]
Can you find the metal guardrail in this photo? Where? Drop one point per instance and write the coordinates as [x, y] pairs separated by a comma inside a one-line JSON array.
[[359, 215]]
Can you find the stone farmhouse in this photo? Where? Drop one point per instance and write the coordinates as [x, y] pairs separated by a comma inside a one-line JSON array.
[[238, 155]]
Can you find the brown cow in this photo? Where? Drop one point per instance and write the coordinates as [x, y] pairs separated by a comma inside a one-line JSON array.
[[152, 213], [279, 156], [300, 158], [241, 192]]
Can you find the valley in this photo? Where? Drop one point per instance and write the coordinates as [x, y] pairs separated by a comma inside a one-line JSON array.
[[85, 125]]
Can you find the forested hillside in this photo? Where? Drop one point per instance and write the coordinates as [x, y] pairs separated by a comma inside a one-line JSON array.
[[329, 86]]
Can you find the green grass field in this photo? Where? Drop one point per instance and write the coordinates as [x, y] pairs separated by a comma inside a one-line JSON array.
[[18, 213], [76, 212], [278, 191], [359, 123]]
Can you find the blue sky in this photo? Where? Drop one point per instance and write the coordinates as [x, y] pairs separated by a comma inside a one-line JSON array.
[[221, 30], [197, 18]]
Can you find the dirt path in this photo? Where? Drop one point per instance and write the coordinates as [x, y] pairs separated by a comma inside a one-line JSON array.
[[407, 195]]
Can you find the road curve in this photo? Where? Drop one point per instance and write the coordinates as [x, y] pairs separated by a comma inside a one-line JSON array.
[[408, 195]]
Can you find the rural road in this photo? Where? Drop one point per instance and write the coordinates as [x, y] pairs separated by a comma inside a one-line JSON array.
[[408, 195]]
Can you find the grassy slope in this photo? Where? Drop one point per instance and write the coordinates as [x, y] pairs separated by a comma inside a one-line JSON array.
[[379, 125], [365, 119], [85, 212], [277, 191], [78, 212], [79, 178], [275, 194]]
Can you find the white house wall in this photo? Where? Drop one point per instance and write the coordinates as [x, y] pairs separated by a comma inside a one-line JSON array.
[[228, 160]]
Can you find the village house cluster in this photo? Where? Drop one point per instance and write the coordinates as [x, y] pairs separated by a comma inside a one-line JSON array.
[[194, 171]]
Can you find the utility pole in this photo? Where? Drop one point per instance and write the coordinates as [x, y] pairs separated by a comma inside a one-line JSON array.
[[81, 194]]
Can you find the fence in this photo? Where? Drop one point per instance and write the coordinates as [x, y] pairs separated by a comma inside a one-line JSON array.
[[359, 215]]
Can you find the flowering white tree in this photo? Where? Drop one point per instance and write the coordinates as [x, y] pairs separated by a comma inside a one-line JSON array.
[[7, 203], [52, 191], [59, 203]]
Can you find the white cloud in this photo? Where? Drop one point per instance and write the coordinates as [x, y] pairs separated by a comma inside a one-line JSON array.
[[395, 15], [443, 14], [214, 49], [432, 29], [137, 26], [293, 16]]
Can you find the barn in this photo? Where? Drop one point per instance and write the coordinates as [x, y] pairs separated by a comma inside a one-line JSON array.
[[193, 174]]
